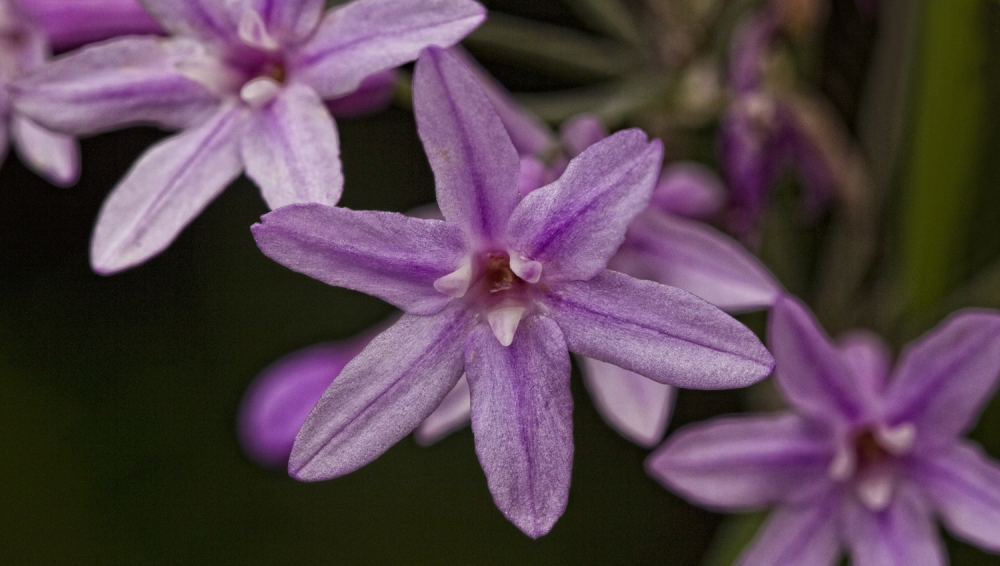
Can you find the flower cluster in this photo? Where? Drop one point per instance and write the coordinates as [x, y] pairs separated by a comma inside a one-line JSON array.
[[542, 243]]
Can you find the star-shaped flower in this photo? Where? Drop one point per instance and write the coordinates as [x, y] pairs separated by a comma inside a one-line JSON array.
[[245, 80], [502, 290], [866, 457]]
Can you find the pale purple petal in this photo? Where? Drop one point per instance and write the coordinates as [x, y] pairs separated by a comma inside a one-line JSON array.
[[637, 407], [736, 463], [282, 396], [964, 485], [869, 359], [70, 23], [810, 371], [165, 189], [451, 415], [382, 395], [475, 166], [533, 175], [657, 331], [122, 82], [386, 254], [581, 132], [528, 133], [699, 259], [54, 156], [290, 21], [367, 36], [903, 534], [291, 150], [522, 419], [206, 19], [689, 189], [797, 533], [750, 48], [374, 95], [576, 224], [943, 380]]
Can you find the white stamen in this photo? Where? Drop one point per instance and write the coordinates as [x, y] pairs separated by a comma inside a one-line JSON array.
[[844, 464], [530, 271], [260, 91], [253, 31], [456, 283], [897, 440], [504, 323], [875, 490]]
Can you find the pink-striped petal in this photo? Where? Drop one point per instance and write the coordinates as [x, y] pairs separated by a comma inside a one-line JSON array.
[[71, 23], [903, 534], [797, 533]]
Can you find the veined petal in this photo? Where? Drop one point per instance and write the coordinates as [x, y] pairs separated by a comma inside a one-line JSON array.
[[382, 394], [809, 369], [121, 82], [657, 331], [291, 150], [797, 533], [391, 256], [367, 36], [290, 21], [70, 24], [206, 19], [576, 224], [451, 415], [869, 359], [166, 188], [735, 463], [943, 380], [689, 189], [54, 156], [581, 132], [637, 407], [522, 418], [475, 166], [699, 259], [903, 534], [964, 484]]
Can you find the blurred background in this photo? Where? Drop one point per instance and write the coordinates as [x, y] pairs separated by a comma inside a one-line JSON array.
[[118, 395]]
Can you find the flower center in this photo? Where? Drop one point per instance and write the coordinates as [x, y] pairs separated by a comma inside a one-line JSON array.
[[868, 460]]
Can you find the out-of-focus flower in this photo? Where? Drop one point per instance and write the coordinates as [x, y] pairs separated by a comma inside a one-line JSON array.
[[500, 290], [246, 81], [71, 23], [23, 48], [865, 459]]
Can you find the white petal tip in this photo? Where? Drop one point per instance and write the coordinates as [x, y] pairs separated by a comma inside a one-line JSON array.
[[456, 283], [897, 440], [253, 31], [260, 91], [530, 271], [875, 491], [504, 323], [843, 466]]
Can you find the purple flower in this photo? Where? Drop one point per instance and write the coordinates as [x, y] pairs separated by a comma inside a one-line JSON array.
[[245, 80], [864, 459], [501, 290], [23, 48], [71, 23]]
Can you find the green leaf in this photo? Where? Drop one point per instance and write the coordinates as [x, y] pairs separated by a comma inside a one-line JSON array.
[[608, 16], [612, 102], [732, 536]]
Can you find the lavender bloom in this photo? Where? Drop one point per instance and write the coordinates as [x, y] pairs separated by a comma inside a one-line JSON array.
[[71, 23], [500, 290], [864, 459], [23, 47], [246, 81]]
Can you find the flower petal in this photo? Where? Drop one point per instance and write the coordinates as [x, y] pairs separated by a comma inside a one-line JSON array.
[[291, 150], [391, 256], [367, 36], [451, 415], [374, 95], [475, 166], [660, 332], [800, 533], [165, 189], [735, 463], [699, 259], [869, 359], [71, 24], [964, 484], [581, 132], [54, 156], [290, 21], [903, 534], [689, 189], [637, 407], [522, 418], [206, 19], [122, 82], [282, 396], [943, 380], [382, 394], [576, 224], [809, 369]]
